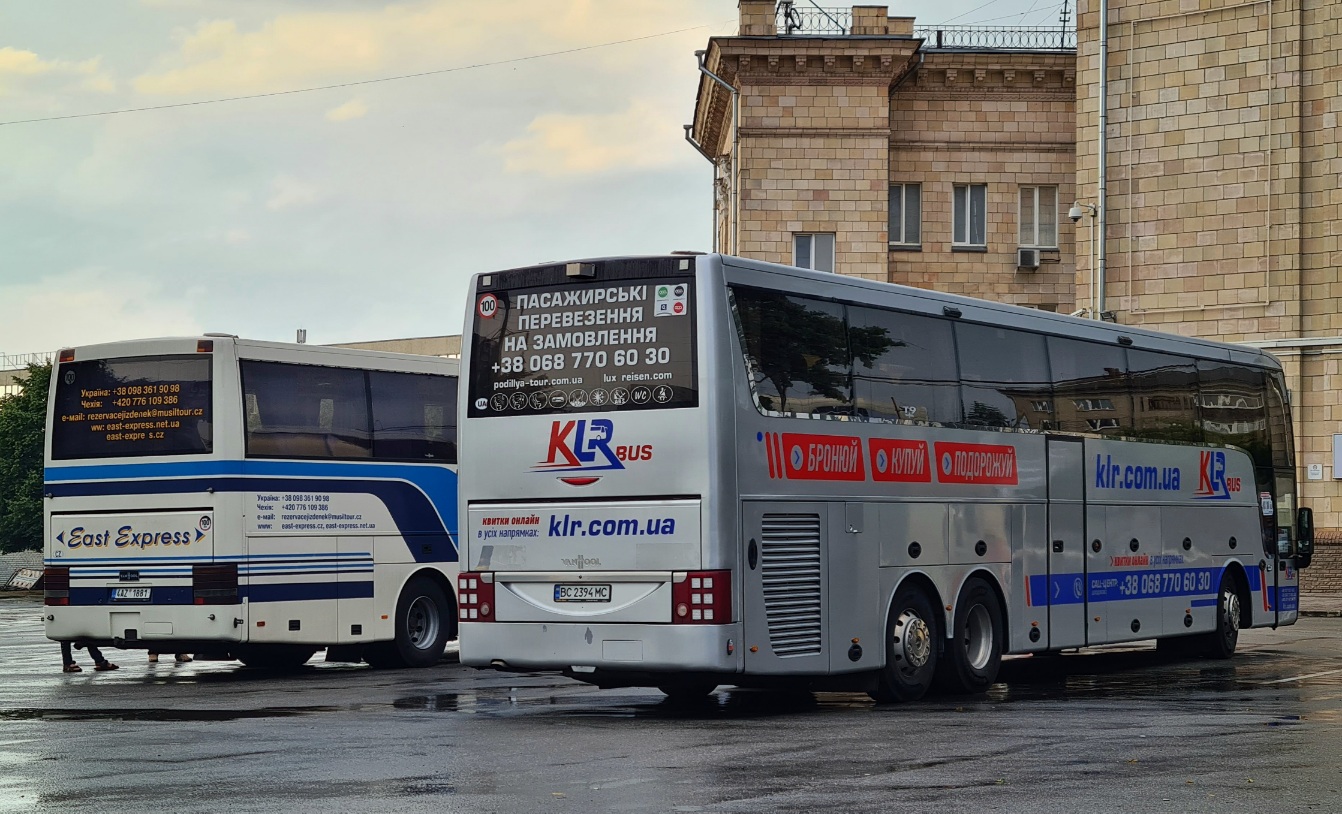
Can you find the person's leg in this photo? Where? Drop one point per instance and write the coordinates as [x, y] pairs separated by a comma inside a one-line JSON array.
[[153, 657], [183, 658], [68, 658], [100, 663]]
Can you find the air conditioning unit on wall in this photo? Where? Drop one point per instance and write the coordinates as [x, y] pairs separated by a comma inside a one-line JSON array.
[[1027, 259]]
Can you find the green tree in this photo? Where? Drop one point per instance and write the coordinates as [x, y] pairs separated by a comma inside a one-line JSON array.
[[22, 427]]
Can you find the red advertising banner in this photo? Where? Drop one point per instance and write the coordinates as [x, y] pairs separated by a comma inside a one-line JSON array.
[[817, 457], [982, 464], [899, 461]]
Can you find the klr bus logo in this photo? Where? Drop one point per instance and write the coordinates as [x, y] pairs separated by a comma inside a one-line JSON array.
[[584, 445], [1213, 483]]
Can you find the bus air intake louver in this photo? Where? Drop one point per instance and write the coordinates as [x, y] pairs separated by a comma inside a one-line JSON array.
[[790, 571]]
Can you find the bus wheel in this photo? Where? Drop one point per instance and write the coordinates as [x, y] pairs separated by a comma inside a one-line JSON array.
[[275, 657], [974, 651], [424, 623], [1221, 643], [687, 693], [911, 641]]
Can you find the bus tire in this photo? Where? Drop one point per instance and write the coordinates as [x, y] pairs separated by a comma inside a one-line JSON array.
[[973, 654], [912, 639], [424, 624], [273, 657], [1221, 643]]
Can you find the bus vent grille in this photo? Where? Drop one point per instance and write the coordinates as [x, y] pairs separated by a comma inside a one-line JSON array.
[[790, 567]]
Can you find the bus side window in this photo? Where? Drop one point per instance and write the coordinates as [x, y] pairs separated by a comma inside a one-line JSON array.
[[1232, 408], [1164, 400], [796, 353], [1090, 387], [1004, 376], [414, 416], [903, 366]]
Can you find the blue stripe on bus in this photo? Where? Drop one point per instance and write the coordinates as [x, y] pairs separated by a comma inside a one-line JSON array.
[[1203, 603], [116, 562], [1113, 586], [277, 592], [408, 491]]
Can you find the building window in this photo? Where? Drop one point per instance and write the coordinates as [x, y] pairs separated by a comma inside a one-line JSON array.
[[906, 214], [970, 218], [1039, 217], [813, 251]]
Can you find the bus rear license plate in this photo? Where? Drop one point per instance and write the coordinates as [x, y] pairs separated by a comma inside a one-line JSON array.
[[569, 592], [130, 594]]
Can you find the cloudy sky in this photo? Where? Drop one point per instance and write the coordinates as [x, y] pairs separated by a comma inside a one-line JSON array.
[[547, 130]]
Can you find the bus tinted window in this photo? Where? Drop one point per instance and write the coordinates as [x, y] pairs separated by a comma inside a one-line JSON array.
[[797, 353], [903, 366], [414, 416], [303, 411], [153, 405], [614, 344], [1004, 375], [1090, 387], [1279, 423], [1232, 404], [1164, 396]]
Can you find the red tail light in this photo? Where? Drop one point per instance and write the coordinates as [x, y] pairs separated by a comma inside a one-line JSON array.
[[56, 580], [214, 584], [701, 598], [475, 596]]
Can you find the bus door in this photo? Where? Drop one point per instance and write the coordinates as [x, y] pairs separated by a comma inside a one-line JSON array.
[[1066, 583], [784, 587]]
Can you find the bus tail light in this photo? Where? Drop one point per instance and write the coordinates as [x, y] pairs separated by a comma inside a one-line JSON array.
[[214, 584], [701, 598], [475, 596], [56, 581]]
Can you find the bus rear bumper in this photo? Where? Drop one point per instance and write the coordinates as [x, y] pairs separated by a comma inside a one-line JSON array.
[[609, 648], [144, 626]]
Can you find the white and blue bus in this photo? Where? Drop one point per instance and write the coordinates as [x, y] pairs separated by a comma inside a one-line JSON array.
[[688, 471], [265, 500]]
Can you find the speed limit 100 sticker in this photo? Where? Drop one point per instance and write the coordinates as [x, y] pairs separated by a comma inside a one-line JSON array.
[[488, 306]]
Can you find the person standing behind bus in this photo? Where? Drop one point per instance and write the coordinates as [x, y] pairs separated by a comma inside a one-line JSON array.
[[100, 663], [182, 658]]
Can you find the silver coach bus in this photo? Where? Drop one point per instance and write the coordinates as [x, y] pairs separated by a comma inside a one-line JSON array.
[[689, 471]]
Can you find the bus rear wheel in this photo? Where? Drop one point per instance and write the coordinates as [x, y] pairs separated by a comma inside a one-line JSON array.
[[1221, 643], [424, 623], [912, 639], [974, 651], [274, 657]]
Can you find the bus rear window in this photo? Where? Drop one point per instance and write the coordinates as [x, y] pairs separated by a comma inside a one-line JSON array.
[[151, 405], [613, 343]]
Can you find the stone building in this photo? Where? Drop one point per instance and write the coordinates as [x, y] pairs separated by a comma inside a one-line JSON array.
[[1222, 200], [869, 147], [1222, 209]]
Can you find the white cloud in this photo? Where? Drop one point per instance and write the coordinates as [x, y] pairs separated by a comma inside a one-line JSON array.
[[288, 192], [90, 305], [353, 109], [644, 136], [18, 65], [314, 47]]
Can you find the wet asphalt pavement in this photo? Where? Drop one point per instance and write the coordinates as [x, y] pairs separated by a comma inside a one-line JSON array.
[[1095, 732]]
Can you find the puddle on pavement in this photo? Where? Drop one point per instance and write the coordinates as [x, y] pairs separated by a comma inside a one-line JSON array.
[[157, 715]]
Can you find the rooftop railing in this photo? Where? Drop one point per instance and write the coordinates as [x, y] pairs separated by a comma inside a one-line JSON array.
[[19, 361], [1017, 39], [796, 18], [799, 19]]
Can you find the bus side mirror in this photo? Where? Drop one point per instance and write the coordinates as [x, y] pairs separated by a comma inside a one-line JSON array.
[[1304, 537]]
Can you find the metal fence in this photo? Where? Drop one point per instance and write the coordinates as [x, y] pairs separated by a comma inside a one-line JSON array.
[[19, 361], [798, 18], [1019, 39]]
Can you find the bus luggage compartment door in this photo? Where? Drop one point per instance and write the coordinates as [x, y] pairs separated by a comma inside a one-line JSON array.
[[1066, 584], [784, 590]]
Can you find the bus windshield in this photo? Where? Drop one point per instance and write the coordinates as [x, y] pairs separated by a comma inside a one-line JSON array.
[[544, 342], [154, 405]]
